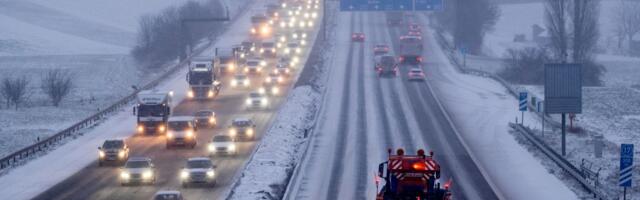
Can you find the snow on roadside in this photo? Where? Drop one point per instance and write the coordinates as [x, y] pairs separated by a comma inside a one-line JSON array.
[[267, 174]]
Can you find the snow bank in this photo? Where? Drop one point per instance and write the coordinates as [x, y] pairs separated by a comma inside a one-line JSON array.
[[267, 174]]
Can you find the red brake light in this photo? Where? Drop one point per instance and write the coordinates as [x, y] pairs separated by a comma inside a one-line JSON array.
[[419, 166]]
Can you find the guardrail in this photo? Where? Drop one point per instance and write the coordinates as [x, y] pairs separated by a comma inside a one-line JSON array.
[[559, 160], [92, 120]]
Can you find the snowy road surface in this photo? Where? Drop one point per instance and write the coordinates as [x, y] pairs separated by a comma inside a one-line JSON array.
[[364, 115]]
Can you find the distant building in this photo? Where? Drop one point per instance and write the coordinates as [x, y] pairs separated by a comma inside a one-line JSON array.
[[540, 35]]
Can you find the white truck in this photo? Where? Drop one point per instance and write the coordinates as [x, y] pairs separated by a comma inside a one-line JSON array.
[[152, 111], [202, 79]]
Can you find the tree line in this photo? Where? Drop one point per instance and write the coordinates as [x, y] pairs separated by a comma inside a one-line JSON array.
[[56, 84]]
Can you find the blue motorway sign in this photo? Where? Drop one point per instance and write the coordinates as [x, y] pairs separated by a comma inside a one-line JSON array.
[[376, 5], [523, 101], [626, 165], [425, 5]]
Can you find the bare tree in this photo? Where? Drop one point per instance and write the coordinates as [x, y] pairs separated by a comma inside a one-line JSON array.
[[57, 84], [14, 90], [556, 21], [585, 29], [627, 20]]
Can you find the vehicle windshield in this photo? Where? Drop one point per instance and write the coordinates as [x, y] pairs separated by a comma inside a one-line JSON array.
[[240, 77], [253, 63], [167, 197], [416, 70], [292, 45], [151, 110], [241, 123], [198, 164], [113, 144], [388, 60], [179, 125], [200, 77], [268, 45], [137, 164], [203, 114], [222, 138], [255, 95]]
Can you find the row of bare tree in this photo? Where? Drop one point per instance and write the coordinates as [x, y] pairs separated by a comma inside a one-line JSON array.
[[627, 20], [468, 21], [56, 84]]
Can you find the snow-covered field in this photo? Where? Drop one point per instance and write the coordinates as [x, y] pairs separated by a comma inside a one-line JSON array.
[[611, 110], [84, 37]]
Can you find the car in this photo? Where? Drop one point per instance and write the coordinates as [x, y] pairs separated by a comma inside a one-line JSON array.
[[414, 27], [198, 170], [249, 48], [242, 128], [300, 36], [167, 195], [115, 150], [138, 170], [268, 49], [206, 118], [292, 48], [254, 66], [274, 77], [380, 49], [182, 131], [288, 61], [269, 88], [240, 80], [357, 37], [256, 100], [386, 65], [222, 144], [282, 69], [416, 74]]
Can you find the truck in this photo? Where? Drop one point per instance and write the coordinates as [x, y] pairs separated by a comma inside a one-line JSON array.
[[152, 111], [410, 50], [260, 27], [394, 18], [226, 59], [386, 65], [411, 177], [202, 79]]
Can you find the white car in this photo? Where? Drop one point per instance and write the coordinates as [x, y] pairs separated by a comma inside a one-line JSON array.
[[254, 66], [138, 170], [256, 100], [292, 48], [240, 80], [282, 69], [198, 170], [182, 131], [242, 128], [416, 74], [269, 88], [222, 144]]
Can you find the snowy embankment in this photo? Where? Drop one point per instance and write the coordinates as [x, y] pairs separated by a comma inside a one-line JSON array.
[[267, 173]]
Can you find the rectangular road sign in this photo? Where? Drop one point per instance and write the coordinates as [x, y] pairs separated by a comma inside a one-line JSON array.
[[626, 165], [428, 5], [376, 5], [523, 101], [563, 88]]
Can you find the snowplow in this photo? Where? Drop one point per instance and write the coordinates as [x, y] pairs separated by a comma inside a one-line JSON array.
[[411, 177]]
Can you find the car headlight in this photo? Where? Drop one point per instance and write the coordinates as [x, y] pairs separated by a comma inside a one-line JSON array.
[[189, 134], [232, 66], [184, 174], [232, 147], [147, 174], [212, 148], [232, 132], [287, 50], [121, 154], [161, 128], [246, 82], [264, 101], [283, 25], [275, 90], [124, 175], [310, 24], [169, 135], [304, 35], [250, 132], [140, 129], [212, 120], [234, 82], [314, 14], [280, 79], [101, 153], [210, 94], [303, 42], [263, 63], [248, 101], [210, 173], [190, 94], [246, 70], [261, 90]]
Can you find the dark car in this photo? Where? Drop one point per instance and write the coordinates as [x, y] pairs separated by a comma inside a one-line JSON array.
[[115, 151], [357, 37]]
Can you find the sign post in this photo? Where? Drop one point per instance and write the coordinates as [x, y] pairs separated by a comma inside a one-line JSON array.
[[541, 110], [626, 167], [523, 105], [563, 92]]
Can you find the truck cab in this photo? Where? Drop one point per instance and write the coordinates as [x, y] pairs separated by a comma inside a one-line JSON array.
[[202, 79], [152, 111]]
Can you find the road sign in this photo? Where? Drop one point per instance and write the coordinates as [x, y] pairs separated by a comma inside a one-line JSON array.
[[428, 5], [626, 165], [539, 107], [523, 101], [563, 88], [376, 5]]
